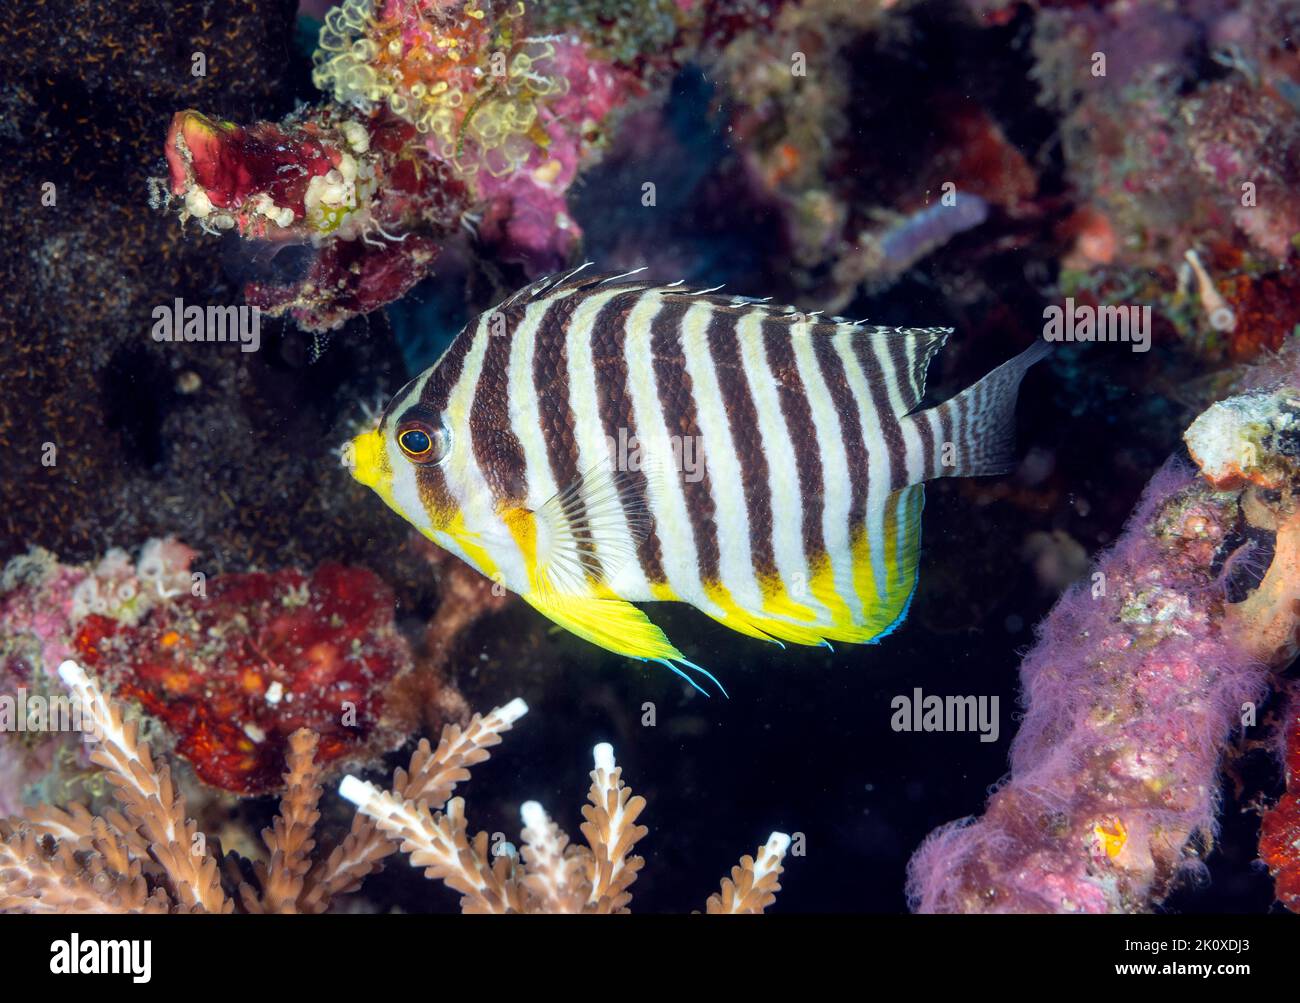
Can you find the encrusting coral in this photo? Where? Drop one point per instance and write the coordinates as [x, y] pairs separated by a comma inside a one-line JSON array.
[[149, 857], [1138, 680], [230, 665]]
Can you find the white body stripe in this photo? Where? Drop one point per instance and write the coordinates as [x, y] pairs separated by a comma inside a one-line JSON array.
[[783, 480], [726, 481], [625, 576], [836, 490], [681, 561], [525, 416]]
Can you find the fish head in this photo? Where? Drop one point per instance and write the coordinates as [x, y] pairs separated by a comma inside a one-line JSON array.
[[402, 459]]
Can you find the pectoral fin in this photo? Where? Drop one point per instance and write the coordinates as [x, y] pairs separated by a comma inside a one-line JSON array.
[[590, 529]]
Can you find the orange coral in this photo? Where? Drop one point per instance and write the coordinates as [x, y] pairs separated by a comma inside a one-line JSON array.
[[1279, 832], [1265, 311]]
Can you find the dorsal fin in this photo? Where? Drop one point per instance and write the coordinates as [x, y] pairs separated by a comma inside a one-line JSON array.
[[910, 348]]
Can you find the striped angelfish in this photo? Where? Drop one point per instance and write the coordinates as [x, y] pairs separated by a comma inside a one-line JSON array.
[[598, 441]]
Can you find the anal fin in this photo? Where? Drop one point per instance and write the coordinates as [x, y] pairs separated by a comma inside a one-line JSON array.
[[618, 626], [614, 624]]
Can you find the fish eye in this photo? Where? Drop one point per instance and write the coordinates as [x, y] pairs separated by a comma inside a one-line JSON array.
[[421, 443]]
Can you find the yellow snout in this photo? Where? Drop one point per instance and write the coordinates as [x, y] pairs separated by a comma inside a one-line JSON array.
[[364, 457]]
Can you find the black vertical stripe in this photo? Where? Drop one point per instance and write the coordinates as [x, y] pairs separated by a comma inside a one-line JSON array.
[[608, 338], [431, 482], [742, 419], [846, 409], [803, 433], [497, 450], [926, 432], [681, 419], [889, 428], [901, 351]]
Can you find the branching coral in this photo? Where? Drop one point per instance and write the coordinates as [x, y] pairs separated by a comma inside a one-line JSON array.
[[431, 776], [149, 857], [551, 874]]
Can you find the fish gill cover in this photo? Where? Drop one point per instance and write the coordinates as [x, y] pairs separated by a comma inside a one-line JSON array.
[[624, 308]]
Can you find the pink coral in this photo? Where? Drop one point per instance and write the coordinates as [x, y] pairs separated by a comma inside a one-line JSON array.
[[527, 210], [1139, 677], [1129, 694]]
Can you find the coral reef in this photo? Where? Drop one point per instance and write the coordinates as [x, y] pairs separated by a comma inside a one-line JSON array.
[[1279, 829], [1139, 676], [445, 116], [461, 114], [551, 875], [234, 665], [149, 857], [1179, 130], [799, 149]]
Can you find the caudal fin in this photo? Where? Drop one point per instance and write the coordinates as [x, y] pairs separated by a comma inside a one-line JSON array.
[[973, 434]]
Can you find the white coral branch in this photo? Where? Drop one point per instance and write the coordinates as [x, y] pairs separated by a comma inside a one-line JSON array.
[[551, 875], [554, 879], [753, 885], [436, 843], [149, 799], [611, 832]]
